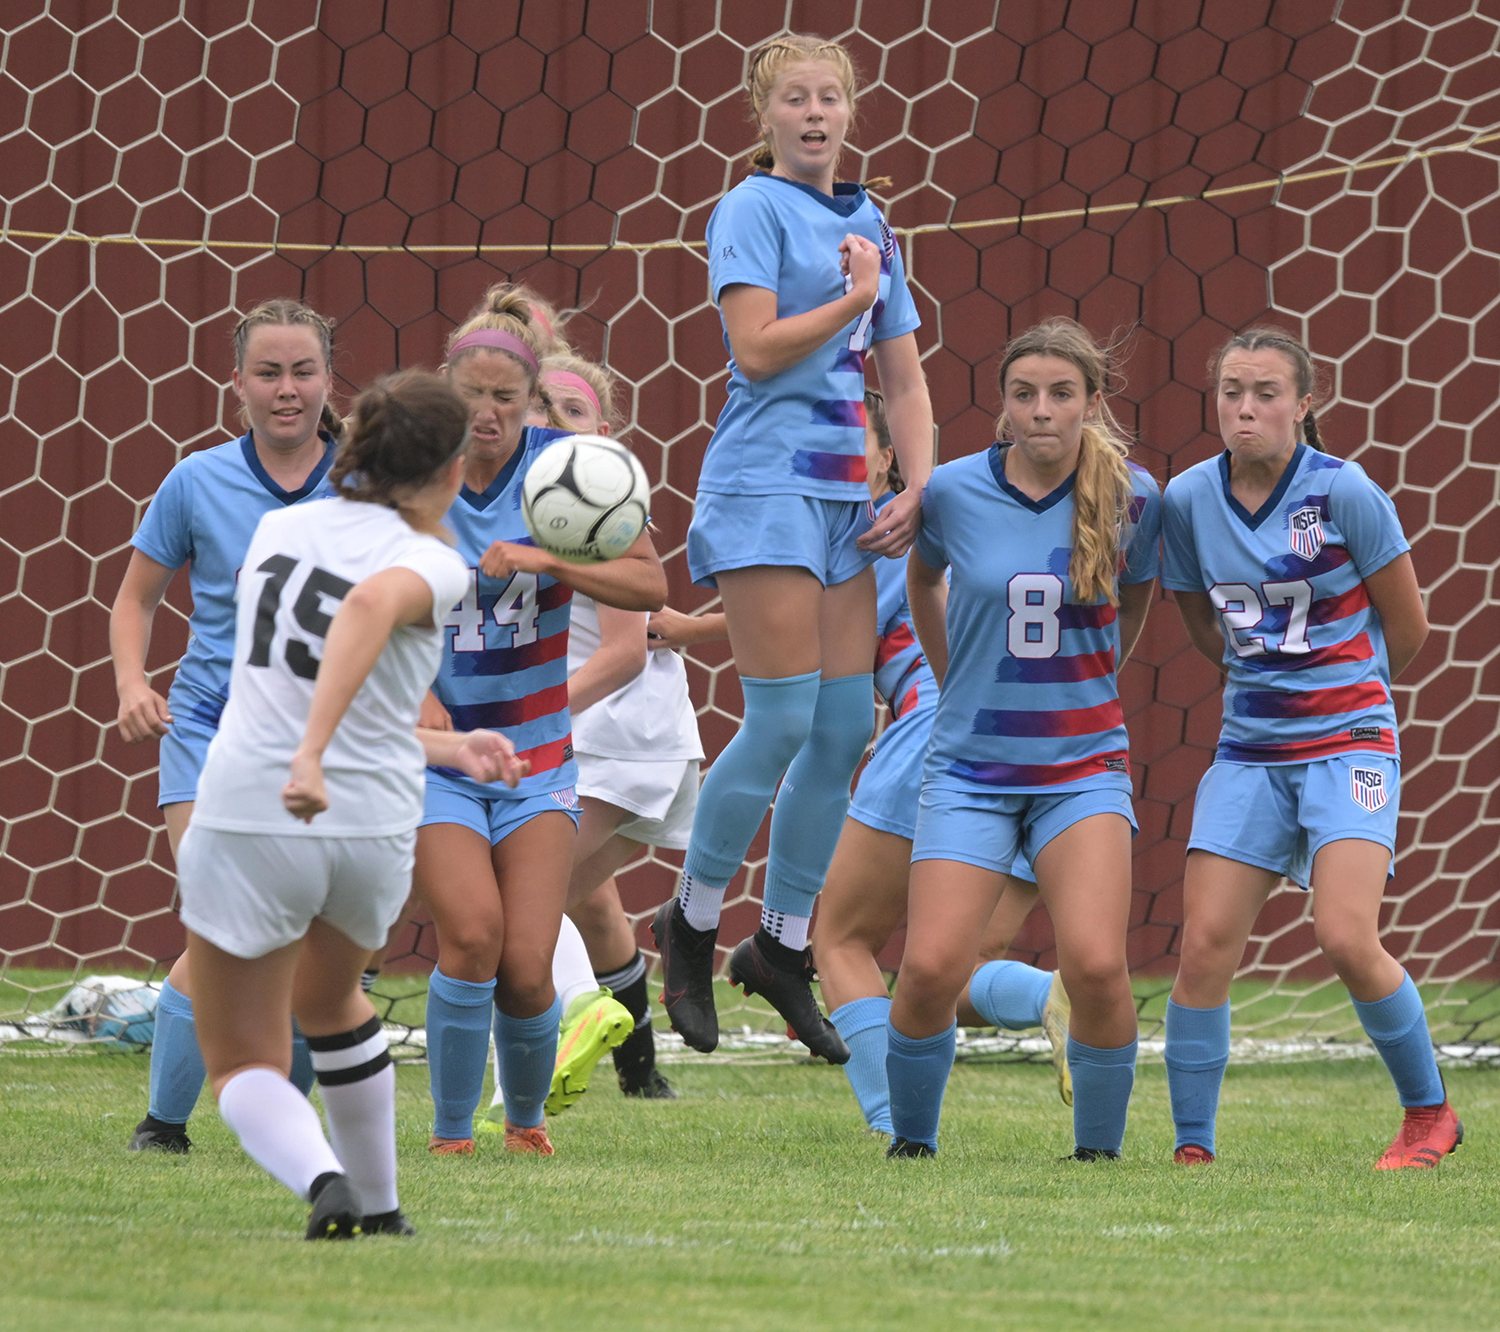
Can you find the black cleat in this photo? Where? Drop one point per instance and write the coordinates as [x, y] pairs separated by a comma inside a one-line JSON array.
[[765, 966], [156, 1135], [654, 1088], [1090, 1154], [687, 976], [335, 1213], [387, 1223], [903, 1149]]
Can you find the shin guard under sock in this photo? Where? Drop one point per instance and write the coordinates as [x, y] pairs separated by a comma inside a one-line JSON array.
[[525, 1051], [458, 1033], [1102, 1081], [917, 1074], [1397, 1025], [177, 1071], [862, 1024], [1197, 1053], [1010, 994]]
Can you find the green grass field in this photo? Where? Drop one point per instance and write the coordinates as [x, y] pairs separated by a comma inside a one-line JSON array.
[[756, 1202]]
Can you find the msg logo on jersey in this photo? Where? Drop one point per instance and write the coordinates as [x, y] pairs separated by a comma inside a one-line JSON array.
[[1305, 532], [1367, 788]]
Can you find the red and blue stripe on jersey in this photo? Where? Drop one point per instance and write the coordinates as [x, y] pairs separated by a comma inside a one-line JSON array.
[[1304, 649], [1030, 702], [505, 650]]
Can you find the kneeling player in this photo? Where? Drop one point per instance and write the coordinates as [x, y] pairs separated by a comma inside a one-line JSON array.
[[1292, 574], [289, 886]]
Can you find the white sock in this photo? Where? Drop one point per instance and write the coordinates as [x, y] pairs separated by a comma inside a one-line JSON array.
[[789, 930], [701, 905], [278, 1128], [358, 1085], [572, 973], [497, 1101]]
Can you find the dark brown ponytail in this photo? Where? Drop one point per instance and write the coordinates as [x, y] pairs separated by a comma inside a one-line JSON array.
[[405, 428]]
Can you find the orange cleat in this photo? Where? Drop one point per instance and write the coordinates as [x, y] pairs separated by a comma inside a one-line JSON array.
[[1192, 1154], [1427, 1134], [528, 1141], [451, 1146]]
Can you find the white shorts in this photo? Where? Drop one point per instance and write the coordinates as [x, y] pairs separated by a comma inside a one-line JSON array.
[[661, 795], [251, 893]]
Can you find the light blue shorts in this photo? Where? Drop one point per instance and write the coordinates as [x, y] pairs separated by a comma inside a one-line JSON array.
[[741, 531], [991, 830], [493, 817], [1279, 816], [184, 749]]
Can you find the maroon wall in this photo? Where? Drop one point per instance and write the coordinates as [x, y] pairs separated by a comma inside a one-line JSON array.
[[388, 169]]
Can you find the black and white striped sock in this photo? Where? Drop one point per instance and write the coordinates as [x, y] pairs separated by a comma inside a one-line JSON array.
[[358, 1085]]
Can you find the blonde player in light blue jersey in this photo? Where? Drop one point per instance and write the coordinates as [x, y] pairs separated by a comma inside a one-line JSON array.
[[810, 283], [203, 516], [1293, 576]]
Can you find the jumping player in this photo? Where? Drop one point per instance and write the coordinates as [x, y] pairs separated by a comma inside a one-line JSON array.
[[203, 515], [809, 281], [298, 858], [492, 863], [864, 900], [1292, 575], [1052, 540]]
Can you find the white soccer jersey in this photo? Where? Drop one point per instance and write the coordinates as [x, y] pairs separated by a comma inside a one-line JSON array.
[[301, 563], [650, 718]]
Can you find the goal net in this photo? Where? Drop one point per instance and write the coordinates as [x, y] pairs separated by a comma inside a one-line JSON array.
[[1182, 168]]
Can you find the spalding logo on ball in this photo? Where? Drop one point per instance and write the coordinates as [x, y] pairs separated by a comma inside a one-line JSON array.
[[585, 499]]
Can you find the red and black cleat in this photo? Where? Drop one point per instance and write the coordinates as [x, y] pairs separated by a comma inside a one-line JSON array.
[[687, 976], [1427, 1134], [765, 966], [1192, 1154]]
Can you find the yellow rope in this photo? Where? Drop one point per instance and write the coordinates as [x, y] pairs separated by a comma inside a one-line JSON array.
[[1020, 219]]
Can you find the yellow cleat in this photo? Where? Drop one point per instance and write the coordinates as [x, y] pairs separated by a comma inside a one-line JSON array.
[[594, 1024], [1055, 1023]]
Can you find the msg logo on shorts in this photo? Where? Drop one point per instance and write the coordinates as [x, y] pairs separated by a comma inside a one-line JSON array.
[[568, 798], [1305, 532], [1367, 788]]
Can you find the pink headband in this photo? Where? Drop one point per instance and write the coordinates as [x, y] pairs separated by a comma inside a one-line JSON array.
[[493, 337], [569, 380]]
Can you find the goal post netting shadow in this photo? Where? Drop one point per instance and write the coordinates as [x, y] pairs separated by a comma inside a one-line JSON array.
[[1181, 168]]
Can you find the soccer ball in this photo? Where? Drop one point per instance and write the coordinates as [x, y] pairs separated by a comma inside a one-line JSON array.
[[585, 499]]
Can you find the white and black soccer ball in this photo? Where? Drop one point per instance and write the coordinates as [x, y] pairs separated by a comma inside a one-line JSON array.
[[585, 499]]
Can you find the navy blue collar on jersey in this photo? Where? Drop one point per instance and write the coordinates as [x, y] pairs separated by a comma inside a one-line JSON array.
[[1254, 520], [314, 477], [484, 498], [844, 201], [997, 466]]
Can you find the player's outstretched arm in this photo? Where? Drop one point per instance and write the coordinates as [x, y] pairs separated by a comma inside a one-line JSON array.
[[1135, 605], [668, 628], [763, 345], [908, 412], [1397, 599], [143, 712], [356, 638], [486, 756], [1202, 624], [620, 657], [927, 596], [634, 582]]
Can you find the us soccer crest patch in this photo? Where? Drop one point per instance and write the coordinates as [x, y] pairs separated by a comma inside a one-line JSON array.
[[1367, 788], [1305, 532]]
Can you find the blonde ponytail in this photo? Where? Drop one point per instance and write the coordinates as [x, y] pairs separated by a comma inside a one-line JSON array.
[[1102, 486]]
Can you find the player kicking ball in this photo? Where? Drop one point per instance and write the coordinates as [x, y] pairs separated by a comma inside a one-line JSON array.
[[288, 886], [1293, 576]]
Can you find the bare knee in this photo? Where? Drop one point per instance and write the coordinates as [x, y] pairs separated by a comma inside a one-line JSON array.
[[469, 949], [1352, 948], [1096, 979], [523, 987]]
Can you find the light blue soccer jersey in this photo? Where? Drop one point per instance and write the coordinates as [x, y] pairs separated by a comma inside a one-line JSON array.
[[203, 515], [902, 676], [1308, 674], [1030, 701], [800, 432], [505, 652]]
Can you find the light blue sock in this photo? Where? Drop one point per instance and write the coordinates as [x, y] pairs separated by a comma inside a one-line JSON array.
[[177, 1071], [1197, 1053], [862, 1024], [739, 786], [917, 1072], [814, 795], [1398, 1026], [302, 1076], [458, 1040], [1010, 994], [527, 1050], [1102, 1080]]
